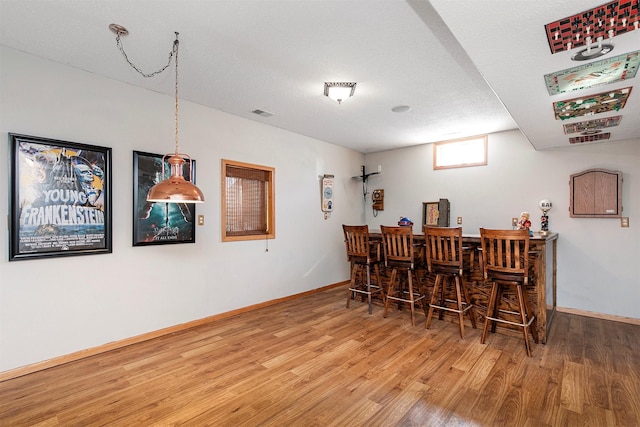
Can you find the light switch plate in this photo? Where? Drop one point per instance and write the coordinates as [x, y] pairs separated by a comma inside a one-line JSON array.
[[624, 221], [200, 219]]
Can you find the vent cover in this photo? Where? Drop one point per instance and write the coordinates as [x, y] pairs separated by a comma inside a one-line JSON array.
[[262, 113], [590, 138]]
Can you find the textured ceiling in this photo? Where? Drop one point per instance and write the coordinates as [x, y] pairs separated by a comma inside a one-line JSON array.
[[465, 67]]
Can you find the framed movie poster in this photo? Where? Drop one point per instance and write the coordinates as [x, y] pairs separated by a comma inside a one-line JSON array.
[[60, 198], [159, 223]]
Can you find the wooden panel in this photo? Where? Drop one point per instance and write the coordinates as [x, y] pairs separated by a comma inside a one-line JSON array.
[[583, 194], [606, 194], [596, 193]]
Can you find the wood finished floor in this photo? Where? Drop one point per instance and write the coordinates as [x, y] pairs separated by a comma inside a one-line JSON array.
[[311, 362]]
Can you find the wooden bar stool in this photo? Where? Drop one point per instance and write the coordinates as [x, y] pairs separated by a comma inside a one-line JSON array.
[[399, 255], [506, 265], [362, 254], [444, 255]]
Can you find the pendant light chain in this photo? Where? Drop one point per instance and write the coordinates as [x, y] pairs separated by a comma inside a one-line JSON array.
[[174, 50]]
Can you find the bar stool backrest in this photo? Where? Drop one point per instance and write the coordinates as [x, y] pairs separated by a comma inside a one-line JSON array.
[[356, 239], [505, 255], [397, 246], [443, 249]]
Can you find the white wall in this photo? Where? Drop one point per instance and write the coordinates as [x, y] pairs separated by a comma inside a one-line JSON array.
[[598, 261], [55, 307]]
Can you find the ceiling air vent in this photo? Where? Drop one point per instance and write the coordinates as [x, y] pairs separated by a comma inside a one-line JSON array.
[[262, 113], [590, 138]]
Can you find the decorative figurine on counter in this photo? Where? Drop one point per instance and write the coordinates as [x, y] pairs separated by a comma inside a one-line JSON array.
[[545, 207], [524, 223]]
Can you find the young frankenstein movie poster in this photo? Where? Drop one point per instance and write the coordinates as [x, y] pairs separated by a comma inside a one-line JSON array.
[[159, 223], [61, 197]]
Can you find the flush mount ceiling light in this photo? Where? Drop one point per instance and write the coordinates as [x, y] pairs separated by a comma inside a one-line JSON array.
[[339, 91], [175, 189], [592, 52]]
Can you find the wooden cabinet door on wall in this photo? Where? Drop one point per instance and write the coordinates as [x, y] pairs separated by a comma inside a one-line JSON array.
[[596, 193]]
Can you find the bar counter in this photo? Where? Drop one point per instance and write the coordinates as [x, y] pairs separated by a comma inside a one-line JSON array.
[[541, 291]]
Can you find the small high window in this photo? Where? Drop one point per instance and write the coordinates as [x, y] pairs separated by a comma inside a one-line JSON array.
[[248, 201], [460, 153]]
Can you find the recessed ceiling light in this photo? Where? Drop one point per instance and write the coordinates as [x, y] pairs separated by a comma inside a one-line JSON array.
[[401, 109]]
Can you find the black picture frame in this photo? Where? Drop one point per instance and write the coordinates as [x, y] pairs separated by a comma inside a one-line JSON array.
[[159, 223], [60, 198]]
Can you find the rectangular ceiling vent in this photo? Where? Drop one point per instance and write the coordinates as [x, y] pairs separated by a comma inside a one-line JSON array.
[[262, 113], [590, 138]]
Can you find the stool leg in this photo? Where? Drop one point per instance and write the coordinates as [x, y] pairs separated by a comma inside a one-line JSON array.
[[424, 304], [376, 272], [471, 312], [421, 292], [443, 289], [412, 302], [534, 323], [459, 303], [496, 309], [368, 270], [390, 289], [352, 284], [401, 289], [436, 286], [524, 319], [490, 309]]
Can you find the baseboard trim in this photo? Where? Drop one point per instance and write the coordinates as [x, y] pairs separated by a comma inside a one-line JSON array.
[[602, 316], [61, 360]]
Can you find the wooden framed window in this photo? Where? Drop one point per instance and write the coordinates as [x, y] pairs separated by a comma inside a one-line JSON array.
[[248, 201], [460, 153]]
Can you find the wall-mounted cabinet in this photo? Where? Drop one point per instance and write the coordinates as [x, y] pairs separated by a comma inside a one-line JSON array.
[[596, 193]]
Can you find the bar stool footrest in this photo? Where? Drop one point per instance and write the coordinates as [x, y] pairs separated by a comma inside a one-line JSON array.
[[406, 300], [520, 325], [454, 310]]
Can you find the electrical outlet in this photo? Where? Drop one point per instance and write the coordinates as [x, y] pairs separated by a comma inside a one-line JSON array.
[[459, 220], [200, 219], [624, 221], [514, 222]]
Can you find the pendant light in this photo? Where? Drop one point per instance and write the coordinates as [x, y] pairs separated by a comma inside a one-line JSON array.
[[175, 189]]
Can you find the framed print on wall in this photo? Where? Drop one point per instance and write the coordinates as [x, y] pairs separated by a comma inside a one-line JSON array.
[[60, 198], [159, 223], [430, 213], [436, 214]]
